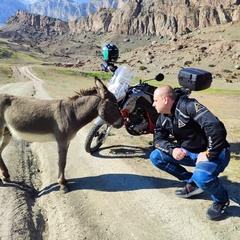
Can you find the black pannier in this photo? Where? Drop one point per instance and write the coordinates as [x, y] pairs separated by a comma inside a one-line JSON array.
[[194, 79]]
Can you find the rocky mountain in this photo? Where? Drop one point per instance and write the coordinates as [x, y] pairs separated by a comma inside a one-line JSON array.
[[108, 3], [62, 9], [215, 48], [71, 9], [160, 17], [33, 26], [143, 17]]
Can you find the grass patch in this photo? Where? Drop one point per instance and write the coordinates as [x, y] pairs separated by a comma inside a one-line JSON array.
[[142, 68], [14, 57], [49, 73], [101, 75], [213, 90], [64, 82], [6, 74]]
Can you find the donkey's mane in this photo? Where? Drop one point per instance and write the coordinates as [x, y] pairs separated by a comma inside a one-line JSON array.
[[84, 92]]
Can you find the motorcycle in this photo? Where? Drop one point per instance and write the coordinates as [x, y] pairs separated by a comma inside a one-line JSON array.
[[135, 103]]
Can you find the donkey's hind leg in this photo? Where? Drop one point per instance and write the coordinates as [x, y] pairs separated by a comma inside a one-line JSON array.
[[5, 137], [62, 156]]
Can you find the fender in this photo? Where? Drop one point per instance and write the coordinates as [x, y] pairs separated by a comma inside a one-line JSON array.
[[99, 121]]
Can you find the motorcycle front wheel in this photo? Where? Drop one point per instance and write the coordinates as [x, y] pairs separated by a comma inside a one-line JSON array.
[[96, 137]]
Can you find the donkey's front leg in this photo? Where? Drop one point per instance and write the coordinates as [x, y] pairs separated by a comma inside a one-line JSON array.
[[6, 138], [62, 156]]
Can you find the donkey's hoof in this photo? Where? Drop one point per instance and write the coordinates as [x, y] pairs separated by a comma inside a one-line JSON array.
[[6, 179], [64, 189]]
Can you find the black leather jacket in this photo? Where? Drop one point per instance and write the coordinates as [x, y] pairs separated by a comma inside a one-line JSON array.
[[193, 127]]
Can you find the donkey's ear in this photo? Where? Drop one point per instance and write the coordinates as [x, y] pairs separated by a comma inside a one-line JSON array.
[[101, 88]]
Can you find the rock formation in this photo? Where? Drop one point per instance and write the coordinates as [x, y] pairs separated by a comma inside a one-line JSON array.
[[160, 17], [38, 22], [142, 17]]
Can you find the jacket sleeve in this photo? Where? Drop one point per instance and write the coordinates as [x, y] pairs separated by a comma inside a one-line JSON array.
[[161, 136], [212, 127]]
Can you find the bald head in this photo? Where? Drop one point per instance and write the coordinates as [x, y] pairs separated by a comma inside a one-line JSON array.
[[164, 98], [167, 91]]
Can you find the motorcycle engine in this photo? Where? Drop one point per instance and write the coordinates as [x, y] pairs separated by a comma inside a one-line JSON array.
[[137, 122]]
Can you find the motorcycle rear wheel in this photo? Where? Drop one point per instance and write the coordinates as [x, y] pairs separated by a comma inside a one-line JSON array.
[[96, 137]]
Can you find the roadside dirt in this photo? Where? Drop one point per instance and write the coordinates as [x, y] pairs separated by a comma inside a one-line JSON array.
[[115, 193]]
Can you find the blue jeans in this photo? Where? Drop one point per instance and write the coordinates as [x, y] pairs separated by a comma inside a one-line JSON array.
[[205, 174]]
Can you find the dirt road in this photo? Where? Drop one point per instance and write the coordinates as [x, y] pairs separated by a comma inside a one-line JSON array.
[[114, 194]]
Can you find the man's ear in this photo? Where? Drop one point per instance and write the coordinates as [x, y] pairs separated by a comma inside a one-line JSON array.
[[165, 99]]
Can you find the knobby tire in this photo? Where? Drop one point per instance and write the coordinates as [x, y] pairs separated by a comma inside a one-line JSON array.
[[89, 139]]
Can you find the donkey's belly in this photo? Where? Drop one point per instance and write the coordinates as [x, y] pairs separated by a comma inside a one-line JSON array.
[[32, 137]]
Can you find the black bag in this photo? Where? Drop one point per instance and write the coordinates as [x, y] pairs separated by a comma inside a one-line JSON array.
[[194, 79]]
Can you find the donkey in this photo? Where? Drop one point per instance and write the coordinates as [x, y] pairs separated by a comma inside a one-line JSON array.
[[36, 120]]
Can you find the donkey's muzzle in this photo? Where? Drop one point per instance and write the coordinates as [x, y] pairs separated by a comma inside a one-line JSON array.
[[118, 123]]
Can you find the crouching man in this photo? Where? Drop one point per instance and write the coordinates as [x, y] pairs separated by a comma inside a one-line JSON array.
[[200, 141]]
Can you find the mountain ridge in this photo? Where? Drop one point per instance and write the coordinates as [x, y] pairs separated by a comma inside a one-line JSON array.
[[161, 18], [141, 18], [62, 9]]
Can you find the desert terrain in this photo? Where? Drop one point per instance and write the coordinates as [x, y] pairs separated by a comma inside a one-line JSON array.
[[116, 193]]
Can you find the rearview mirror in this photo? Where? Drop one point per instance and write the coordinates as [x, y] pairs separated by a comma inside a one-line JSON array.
[[159, 77]]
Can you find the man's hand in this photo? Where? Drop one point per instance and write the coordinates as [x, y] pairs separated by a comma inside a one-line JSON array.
[[202, 157], [178, 153]]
